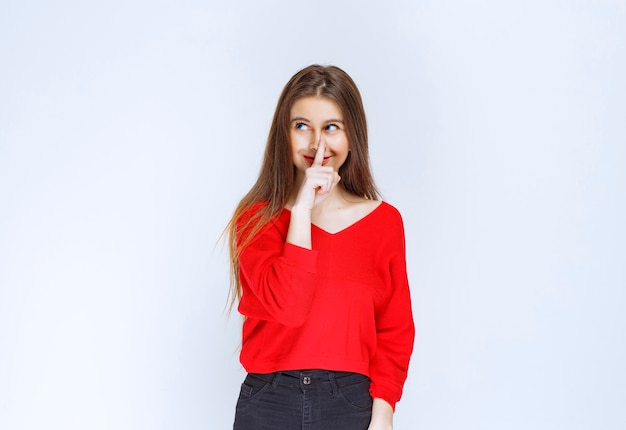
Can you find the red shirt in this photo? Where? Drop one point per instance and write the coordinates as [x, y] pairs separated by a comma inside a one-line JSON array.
[[344, 305]]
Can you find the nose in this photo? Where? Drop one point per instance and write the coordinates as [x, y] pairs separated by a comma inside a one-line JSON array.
[[316, 140]]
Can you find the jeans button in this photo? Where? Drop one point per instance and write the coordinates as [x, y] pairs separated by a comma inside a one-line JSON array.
[[306, 380]]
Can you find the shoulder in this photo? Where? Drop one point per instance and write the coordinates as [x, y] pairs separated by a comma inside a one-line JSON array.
[[362, 207], [249, 212], [258, 217], [253, 219], [390, 223], [390, 211], [383, 212]]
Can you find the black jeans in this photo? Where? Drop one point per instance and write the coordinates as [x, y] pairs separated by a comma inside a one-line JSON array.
[[304, 400]]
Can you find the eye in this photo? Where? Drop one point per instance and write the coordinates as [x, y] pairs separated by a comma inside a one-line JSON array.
[[301, 126], [332, 127]]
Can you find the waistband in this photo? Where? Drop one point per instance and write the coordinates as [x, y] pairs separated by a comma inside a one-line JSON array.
[[310, 378]]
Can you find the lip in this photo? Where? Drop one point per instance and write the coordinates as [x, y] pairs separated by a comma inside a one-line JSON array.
[[311, 159]]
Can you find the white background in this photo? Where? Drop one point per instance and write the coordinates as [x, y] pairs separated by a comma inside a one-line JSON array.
[[130, 129]]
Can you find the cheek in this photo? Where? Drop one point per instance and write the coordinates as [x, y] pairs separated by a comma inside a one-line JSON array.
[[299, 142], [293, 143], [339, 143], [296, 145], [296, 140]]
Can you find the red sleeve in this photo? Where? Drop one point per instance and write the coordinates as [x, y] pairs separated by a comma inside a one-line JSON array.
[[277, 278], [395, 331]]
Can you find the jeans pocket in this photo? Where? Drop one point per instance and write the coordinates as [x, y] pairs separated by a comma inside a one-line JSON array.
[[254, 385], [357, 394]]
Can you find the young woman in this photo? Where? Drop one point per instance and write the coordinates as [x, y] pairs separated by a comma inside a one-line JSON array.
[[319, 271]]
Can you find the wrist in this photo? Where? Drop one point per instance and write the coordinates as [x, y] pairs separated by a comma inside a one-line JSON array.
[[299, 232], [300, 211], [382, 414]]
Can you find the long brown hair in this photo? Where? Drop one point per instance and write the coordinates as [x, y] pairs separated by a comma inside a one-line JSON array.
[[277, 176]]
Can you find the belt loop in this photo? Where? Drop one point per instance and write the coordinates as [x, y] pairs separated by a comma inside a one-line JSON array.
[[276, 380], [333, 384]]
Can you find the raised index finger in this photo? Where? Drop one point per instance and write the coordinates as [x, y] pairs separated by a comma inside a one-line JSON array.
[[319, 155]]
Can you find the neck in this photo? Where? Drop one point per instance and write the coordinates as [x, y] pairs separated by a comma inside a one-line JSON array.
[[336, 198]]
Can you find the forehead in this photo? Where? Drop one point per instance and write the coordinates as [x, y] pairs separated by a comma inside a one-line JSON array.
[[316, 108]]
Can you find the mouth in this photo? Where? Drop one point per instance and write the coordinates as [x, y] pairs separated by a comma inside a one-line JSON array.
[[310, 160]]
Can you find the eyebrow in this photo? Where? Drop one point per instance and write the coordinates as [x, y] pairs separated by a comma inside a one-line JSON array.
[[300, 118]]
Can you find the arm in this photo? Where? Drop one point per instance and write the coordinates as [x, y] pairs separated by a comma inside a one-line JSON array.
[[316, 186], [395, 330], [277, 272], [277, 278]]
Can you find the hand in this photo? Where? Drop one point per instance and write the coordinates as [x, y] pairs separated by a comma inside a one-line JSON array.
[[382, 416], [318, 182]]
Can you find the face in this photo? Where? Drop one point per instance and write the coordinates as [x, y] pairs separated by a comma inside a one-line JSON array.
[[312, 120]]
